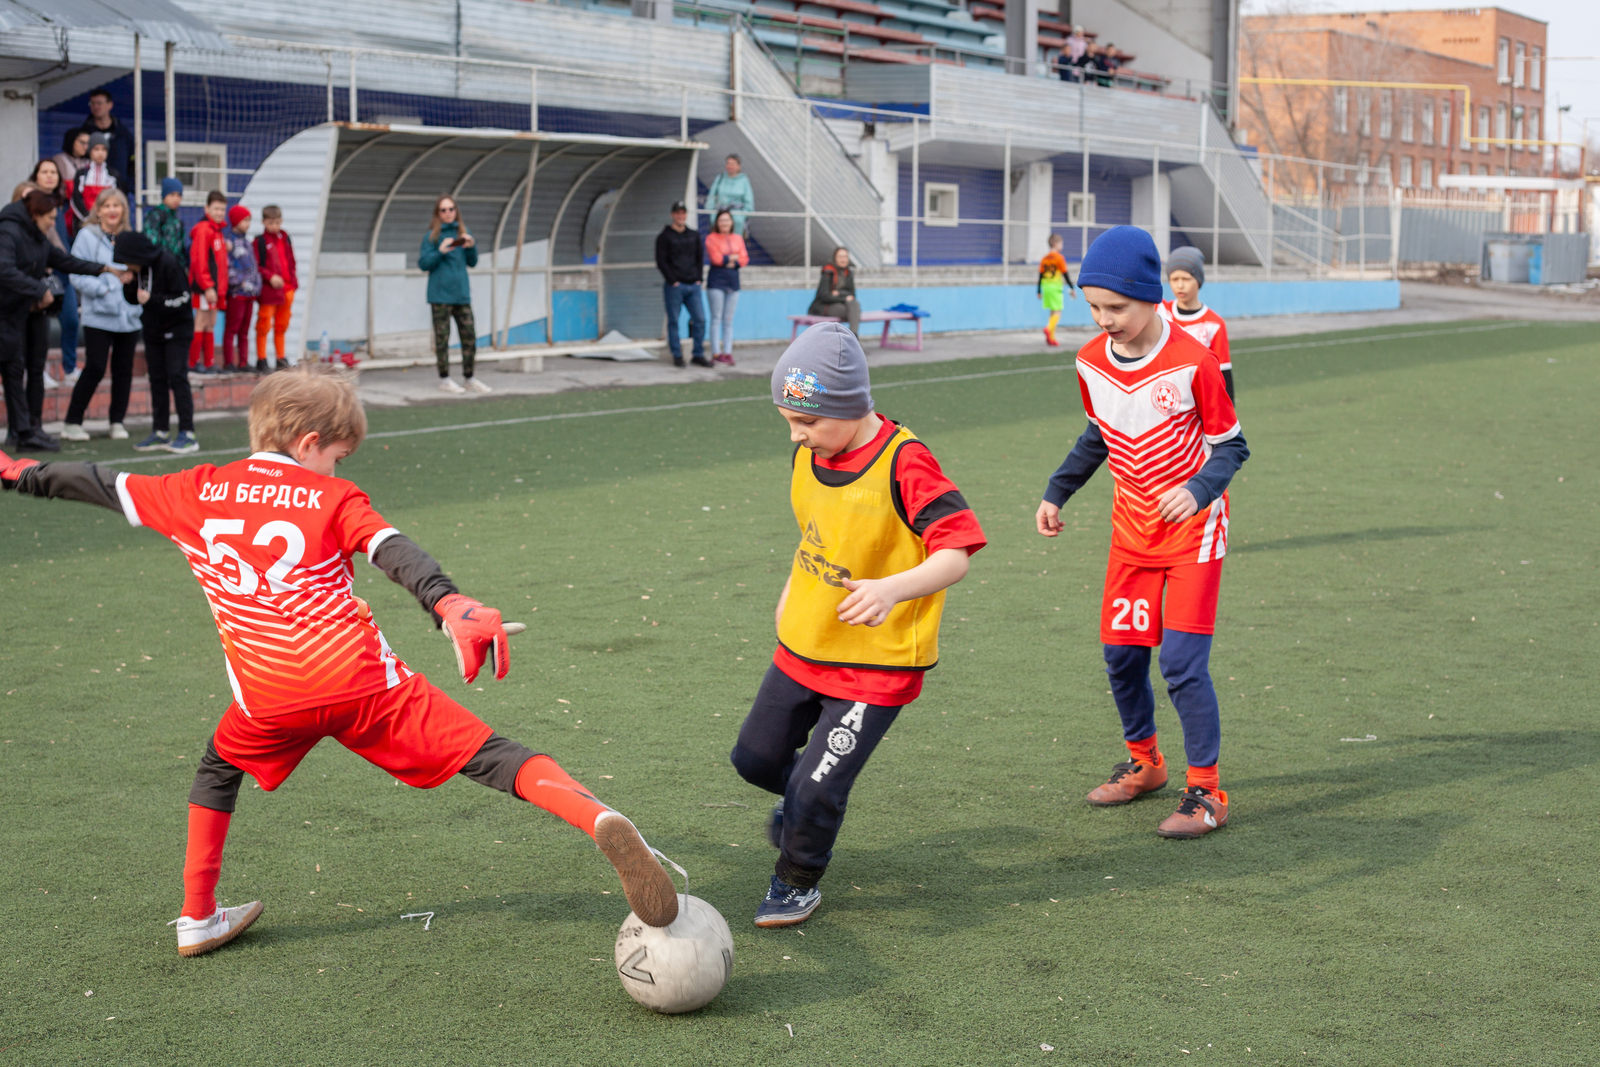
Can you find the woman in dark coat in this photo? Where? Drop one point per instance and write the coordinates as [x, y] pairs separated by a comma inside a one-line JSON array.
[[27, 256], [836, 292]]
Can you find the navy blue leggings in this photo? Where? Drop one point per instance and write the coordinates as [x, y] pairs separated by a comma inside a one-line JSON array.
[[1186, 666]]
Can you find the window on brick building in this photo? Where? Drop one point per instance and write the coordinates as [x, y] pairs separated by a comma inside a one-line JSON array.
[[1408, 122], [1483, 129], [1536, 124], [1385, 170], [1501, 130], [1444, 123], [1406, 165], [1385, 114], [1427, 122], [1534, 62], [1519, 68], [1427, 174], [1502, 67], [1516, 126], [1364, 113], [1341, 109]]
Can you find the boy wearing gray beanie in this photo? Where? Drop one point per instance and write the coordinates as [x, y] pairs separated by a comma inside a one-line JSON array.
[[883, 532], [1186, 273]]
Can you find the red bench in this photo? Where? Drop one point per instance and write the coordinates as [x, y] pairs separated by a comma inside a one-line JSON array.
[[888, 318]]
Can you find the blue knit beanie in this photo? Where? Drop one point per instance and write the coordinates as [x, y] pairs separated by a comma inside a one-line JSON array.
[[170, 186], [1124, 260]]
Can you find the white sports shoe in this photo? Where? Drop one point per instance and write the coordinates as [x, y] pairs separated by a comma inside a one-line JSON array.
[[199, 936], [49, 382], [478, 386], [71, 378], [448, 385], [74, 432], [119, 432]]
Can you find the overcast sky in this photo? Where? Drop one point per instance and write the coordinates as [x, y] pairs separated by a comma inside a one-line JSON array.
[[1574, 31]]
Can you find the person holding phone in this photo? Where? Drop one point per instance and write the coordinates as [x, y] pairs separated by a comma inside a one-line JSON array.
[[448, 251]]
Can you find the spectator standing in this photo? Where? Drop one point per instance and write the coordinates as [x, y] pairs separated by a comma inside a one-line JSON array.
[[1071, 60], [47, 176], [275, 259], [208, 277], [27, 293], [162, 224], [162, 289], [73, 157], [93, 178], [836, 292], [731, 191], [680, 257], [244, 286], [111, 322], [726, 253], [119, 138], [448, 251]]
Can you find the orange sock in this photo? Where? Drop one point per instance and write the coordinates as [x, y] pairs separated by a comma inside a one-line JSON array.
[[1205, 778], [1146, 752], [542, 782], [202, 860]]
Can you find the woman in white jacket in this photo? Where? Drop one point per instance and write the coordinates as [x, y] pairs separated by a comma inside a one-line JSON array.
[[110, 318]]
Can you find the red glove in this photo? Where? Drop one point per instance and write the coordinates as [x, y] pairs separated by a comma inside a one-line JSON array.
[[11, 469], [477, 634]]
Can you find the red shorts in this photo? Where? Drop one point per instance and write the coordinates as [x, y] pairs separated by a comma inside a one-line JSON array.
[[1133, 612], [413, 731]]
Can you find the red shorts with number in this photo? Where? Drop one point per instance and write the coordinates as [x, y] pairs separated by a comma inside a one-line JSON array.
[[1134, 611], [413, 731]]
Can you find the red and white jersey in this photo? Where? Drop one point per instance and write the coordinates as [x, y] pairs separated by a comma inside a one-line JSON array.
[[1205, 326], [271, 544], [1160, 417]]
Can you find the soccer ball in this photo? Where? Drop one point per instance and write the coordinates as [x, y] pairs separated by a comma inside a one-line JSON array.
[[676, 968]]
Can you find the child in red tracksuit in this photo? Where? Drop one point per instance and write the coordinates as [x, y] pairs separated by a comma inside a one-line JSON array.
[[271, 539], [275, 258], [208, 279]]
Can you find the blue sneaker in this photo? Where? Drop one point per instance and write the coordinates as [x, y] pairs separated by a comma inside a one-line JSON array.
[[184, 443], [787, 905], [775, 826], [156, 442]]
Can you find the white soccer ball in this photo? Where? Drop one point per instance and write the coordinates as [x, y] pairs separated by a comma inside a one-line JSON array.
[[676, 968]]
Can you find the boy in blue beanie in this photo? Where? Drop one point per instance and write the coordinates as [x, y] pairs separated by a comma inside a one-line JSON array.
[[162, 223], [1186, 273], [883, 533], [1160, 413]]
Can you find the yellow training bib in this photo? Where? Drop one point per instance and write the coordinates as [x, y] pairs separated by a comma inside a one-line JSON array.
[[852, 526]]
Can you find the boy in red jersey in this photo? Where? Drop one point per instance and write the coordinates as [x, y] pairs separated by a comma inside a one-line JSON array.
[[1159, 412], [271, 538], [1186, 273], [883, 533]]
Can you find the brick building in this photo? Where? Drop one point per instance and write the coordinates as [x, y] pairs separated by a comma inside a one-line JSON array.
[[1396, 135]]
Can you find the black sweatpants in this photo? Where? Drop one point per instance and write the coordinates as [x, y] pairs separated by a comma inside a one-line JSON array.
[[166, 356], [100, 347], [813, 776], [24, 345]]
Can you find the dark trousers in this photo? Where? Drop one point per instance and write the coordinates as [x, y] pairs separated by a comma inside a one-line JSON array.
[[466, 329], [1186, 668], [813, 776], [236, 331], [99, 347], [166, 354], [17, 345], [848, 310], [680, 298], [69, 325]]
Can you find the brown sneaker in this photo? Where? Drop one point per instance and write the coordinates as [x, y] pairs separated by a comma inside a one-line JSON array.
[[647, 886], [1128, 781], [1200, 812]]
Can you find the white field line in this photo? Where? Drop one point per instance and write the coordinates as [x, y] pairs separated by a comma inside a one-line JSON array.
[[526, 419]]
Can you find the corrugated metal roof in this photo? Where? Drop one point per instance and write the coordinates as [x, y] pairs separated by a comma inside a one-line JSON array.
[[159, 20]]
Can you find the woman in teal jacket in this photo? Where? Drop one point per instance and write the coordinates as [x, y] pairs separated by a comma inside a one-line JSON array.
[[448, 250]]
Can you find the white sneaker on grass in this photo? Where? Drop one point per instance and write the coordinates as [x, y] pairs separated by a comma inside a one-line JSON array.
[[448, 385], [74, 432], [199, 936], [119, 432], [478, 386]]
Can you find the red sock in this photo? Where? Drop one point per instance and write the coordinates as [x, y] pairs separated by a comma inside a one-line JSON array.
[[542, 782], [1205, 778], [202, 860], [194, 349], [208, 346], [1146, 752]]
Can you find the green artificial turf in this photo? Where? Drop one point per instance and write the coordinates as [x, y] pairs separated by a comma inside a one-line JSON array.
[[1408, 876]]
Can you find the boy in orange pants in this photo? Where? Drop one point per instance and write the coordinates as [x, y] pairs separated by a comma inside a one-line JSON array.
[[275, 258], [271, 539]]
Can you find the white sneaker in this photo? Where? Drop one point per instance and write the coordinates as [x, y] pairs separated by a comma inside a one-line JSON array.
[[74, 432], [119, 432], [198, 936], [49, 382], [448, 385], [478, 386], [69, 380]]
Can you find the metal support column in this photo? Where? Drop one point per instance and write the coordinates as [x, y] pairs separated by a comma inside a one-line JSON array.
[[916, 192], [806, 117], [1005, 215], [533, 99], [522, 235], [1361, 211], [353, 118], [140, 184], [1216, 208], [1083, 211], [169, 86], [327, 58], [1271, 218]]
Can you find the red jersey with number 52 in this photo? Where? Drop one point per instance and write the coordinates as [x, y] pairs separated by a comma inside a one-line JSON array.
[[271, 543], [1160, 417]]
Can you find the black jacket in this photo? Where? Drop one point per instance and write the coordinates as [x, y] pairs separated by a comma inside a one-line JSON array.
[[833, 284], [163, 274], [680, 255], [26, 256], [119, 152]]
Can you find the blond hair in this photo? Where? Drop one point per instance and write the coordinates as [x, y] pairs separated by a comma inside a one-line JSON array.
[[111, 196], [309, 398]]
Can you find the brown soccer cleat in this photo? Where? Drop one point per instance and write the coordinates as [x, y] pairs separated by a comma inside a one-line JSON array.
[[649, 889], [1200, 812], [1129, 781]]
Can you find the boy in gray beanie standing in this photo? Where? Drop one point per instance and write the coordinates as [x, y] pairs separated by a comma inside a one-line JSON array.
[[883, 533], [1186, 273]]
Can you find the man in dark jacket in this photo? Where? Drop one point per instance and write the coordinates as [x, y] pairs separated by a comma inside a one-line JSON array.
[[119, 138], [680, 257], [162, 286], [27, 255]]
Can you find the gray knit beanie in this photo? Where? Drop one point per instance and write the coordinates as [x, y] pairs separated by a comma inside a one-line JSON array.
[[1190, 259], [824, 373]]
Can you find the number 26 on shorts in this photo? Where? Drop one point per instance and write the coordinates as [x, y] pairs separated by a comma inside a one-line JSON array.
[[1130, 615]]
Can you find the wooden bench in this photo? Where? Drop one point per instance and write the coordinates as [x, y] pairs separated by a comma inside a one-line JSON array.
[[888, 318], [531, 357]]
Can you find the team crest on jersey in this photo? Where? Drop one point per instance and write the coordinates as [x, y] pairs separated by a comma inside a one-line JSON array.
[[1165, 397], [800, 386]]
